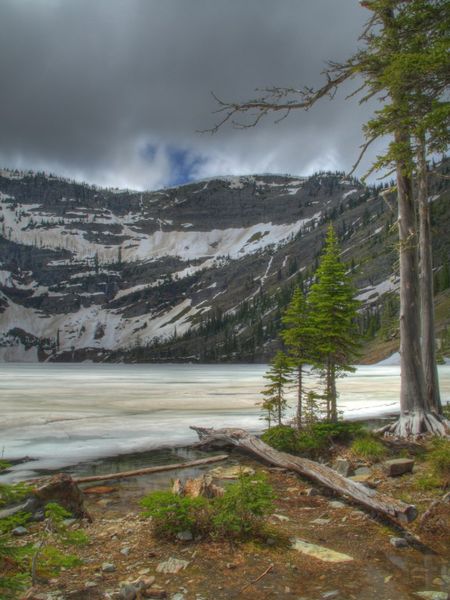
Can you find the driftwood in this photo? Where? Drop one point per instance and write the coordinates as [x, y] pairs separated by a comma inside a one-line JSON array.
[[149, 470], [368, 498], [60, 488]]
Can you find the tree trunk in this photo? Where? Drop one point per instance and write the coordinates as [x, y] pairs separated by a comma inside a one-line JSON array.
[[149, 470], [328, 390], [333, 392], [426, 285], [320, 473], [415, 415], [300, 396]]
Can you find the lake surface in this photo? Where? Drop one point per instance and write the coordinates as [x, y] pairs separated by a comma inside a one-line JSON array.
[[63, 414]]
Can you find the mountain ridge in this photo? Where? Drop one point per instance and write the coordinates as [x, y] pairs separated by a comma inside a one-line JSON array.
[[97, 274]]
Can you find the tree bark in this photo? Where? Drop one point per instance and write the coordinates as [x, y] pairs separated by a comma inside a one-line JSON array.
[[426, 285], [300, 396], [416, 416], [320, 473]]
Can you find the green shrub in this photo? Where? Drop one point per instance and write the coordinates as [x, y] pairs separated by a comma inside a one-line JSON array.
[[172, 514], [340, 431], [241, 511], [281, 437], [439, 458], [368, 447]]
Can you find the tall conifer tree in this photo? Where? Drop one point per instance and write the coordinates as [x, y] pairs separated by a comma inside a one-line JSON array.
[[279, 375], [297, 336], [333, 312]]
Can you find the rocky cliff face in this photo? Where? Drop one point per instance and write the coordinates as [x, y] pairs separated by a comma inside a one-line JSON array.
[[197, 272]]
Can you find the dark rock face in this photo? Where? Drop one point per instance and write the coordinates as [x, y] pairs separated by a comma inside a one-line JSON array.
[[198, 272]]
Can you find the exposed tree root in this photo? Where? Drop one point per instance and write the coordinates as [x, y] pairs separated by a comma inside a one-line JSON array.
[[413, 425]]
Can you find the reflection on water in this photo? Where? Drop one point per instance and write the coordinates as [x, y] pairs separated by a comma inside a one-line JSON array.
[[62, 415]]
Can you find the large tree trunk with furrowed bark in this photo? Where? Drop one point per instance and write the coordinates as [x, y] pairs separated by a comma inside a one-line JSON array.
[[426, 285], [394, 509], [416, 415]]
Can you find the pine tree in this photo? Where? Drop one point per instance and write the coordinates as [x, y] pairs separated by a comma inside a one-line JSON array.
[[279, 375], [333, 314], [298, 337]]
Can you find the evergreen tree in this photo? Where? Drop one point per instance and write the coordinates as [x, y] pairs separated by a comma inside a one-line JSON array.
[[333, 314], [279, 375], [298, 337]]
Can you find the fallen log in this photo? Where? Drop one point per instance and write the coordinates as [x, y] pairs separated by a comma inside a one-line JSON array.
[[149, 470], [368, 498]]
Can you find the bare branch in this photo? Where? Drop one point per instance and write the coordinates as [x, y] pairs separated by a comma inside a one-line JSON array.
[[361, 154], [276, 99]]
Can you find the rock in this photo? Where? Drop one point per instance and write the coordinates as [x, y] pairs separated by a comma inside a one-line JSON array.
[[432, 595], [270, 541], [320, 521], [177, 596], [231, 565], [343, 467], [125, 551], [172, 565], [362, 478], [90, 584], [398, 542], [398, 466], [108, 567], [69, 522], [363, 471], [231, 472], [320, 552], [185, 536], [280, 517], [143, 582], [337, 504], [312, 491], [329, 595], [127, 592], [19, 531]]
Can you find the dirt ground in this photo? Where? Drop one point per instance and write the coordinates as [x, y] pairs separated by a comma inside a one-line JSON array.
[[378, 571]]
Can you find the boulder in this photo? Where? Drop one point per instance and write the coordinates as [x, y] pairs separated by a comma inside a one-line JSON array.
[[343, 466], [172, 565], [398, 542], [398, 466]]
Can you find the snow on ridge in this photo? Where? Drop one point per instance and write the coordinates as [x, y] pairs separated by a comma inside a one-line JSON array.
[[373, 292], [346, 194]]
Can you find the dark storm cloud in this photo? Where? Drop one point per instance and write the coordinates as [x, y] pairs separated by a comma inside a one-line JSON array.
[[113, 91]]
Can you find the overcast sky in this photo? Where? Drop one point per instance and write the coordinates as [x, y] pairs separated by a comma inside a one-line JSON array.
[[113, 91]]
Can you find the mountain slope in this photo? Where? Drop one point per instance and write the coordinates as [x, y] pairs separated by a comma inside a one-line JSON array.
[[197, 272]]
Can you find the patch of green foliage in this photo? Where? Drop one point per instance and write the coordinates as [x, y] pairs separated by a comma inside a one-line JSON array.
[[48, 560], [311, 441], [241, 511], [14, 561], [281, 437], [368, 447], [439, 459], [238, 514], [10, 494], [172, 514]]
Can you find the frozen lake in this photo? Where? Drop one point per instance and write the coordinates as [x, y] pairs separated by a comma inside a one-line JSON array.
[[63, 414]]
